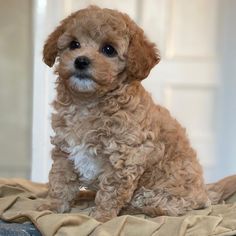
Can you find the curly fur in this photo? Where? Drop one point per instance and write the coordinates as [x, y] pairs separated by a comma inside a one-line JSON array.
[[110, 137]]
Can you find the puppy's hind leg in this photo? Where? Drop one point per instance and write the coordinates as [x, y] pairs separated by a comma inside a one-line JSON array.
[[159, 202]]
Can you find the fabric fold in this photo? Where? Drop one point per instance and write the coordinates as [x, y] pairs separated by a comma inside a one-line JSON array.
[[20, 199]]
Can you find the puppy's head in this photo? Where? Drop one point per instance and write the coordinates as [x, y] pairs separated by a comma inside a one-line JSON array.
[[98, 49]]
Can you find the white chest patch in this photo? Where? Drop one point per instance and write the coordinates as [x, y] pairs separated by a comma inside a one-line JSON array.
[[88, 166]]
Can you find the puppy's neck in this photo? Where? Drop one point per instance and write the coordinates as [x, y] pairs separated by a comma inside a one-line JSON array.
[[118, 96]]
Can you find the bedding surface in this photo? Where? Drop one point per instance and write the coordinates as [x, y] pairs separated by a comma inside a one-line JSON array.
[[19, 200]]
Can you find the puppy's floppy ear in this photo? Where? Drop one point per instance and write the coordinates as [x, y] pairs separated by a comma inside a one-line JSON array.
[[50, 49], [142, 54]]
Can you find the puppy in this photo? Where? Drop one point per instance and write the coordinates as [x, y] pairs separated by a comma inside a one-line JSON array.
[[109, 135]]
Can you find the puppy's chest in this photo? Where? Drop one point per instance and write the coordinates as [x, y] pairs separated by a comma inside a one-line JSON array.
[[78, 142], [88, 165]]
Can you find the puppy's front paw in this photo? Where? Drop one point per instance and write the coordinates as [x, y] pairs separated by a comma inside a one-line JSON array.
[[103, 216]]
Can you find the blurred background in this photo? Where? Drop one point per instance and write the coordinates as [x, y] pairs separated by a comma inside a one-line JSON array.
[[196, 78]]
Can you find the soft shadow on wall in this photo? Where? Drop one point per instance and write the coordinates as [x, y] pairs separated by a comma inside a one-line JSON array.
[[15, 88]]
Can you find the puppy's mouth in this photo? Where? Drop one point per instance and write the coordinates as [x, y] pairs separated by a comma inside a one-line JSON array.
[[82, 82], [82, 76]]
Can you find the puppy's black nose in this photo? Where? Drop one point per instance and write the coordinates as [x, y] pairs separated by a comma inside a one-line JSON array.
[[82, 63]]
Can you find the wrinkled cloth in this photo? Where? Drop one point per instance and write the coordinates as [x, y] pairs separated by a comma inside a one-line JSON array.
[[19, 200]]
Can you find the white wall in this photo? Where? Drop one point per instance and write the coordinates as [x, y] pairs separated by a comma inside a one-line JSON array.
[[227, 106]]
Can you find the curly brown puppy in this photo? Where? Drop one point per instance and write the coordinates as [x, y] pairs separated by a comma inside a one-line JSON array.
[[109, 135]]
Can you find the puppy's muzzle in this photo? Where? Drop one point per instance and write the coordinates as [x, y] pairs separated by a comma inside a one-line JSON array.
[[82, 63]]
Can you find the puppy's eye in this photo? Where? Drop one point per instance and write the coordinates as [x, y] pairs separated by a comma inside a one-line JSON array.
[[109, 51], [74, 44]]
